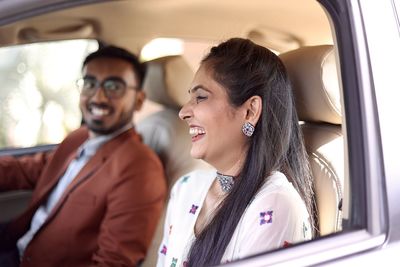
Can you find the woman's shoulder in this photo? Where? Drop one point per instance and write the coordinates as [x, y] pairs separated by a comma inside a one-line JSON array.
[[278, 191], [276, 182], [276, 212]]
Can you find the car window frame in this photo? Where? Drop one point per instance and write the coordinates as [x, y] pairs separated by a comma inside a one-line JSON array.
[[24, 151]]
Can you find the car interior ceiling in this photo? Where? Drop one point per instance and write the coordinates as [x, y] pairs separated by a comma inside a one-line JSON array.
[[305, 47], [284, 27]]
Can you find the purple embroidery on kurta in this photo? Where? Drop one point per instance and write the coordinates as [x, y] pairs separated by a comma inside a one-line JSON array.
[[266, 217], [193, 209], [164, 250]]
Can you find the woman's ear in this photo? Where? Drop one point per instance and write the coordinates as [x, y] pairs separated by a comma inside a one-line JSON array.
[[253, 107]]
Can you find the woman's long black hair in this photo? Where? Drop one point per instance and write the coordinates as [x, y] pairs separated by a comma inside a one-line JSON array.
[[246, 69]]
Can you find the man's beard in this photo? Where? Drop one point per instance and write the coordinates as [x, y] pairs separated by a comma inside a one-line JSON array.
[[96, 126]]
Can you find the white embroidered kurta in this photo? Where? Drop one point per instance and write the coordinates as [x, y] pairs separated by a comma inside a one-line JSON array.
[[277, 217]]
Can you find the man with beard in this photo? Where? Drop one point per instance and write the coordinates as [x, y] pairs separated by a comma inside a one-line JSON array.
[[98, 196]]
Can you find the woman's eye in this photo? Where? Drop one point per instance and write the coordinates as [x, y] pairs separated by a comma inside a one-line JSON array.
[[200, 98]]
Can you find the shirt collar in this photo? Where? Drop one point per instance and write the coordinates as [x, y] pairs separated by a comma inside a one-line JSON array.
[[90, 146]]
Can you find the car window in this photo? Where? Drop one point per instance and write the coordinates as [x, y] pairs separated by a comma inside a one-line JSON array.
[[38, 99]]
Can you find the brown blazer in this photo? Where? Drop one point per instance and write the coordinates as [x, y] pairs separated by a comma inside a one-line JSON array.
[[106, 216]]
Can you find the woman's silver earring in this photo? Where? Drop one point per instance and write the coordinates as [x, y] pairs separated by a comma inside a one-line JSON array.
[[248, 129]]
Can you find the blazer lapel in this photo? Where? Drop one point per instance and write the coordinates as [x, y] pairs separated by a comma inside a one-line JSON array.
[[61, 160], [47, 189], [62, 157], [92, 166]]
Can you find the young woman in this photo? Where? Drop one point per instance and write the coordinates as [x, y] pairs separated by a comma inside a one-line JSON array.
[[243, 122]]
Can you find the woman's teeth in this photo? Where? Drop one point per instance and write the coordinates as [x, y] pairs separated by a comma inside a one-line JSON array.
[[196, 131]]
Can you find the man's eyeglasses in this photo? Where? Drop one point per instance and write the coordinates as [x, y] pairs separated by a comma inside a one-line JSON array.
[[113, 87]]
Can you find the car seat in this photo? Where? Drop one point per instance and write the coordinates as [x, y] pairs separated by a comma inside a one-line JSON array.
[[167, 82], [312, 71]]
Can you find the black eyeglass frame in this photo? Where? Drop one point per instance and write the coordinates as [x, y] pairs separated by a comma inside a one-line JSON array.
[[106, 85]]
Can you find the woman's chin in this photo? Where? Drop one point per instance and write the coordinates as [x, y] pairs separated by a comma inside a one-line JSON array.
[[196, 154]]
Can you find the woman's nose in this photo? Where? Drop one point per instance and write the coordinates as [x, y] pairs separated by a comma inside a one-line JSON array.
[[185, 112]]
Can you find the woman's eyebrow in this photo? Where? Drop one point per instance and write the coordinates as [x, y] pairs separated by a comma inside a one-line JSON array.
[[197, 87]]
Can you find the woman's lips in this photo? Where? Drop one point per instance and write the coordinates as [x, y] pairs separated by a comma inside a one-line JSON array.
[[196, 133]]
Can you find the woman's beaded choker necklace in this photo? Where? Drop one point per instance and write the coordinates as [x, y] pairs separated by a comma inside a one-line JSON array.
[[226, 182]]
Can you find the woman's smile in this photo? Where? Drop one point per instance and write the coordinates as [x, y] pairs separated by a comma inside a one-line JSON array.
[[196, 133]]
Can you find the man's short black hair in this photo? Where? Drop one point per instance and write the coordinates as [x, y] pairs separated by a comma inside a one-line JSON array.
[[118, 52]]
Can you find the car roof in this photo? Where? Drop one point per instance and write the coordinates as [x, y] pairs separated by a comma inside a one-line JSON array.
[[281, 25]]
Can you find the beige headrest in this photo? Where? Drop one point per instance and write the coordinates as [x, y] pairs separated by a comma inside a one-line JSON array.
[[167, 81], [312, 71]]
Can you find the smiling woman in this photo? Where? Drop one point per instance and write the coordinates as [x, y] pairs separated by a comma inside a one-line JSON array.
[[241, 93]]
